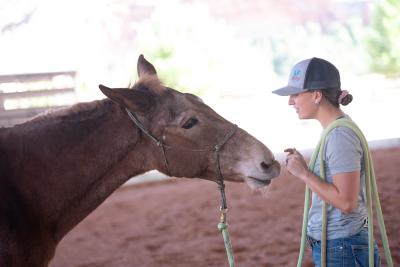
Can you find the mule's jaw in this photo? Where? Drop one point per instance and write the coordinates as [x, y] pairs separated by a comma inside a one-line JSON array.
[[256, 182]]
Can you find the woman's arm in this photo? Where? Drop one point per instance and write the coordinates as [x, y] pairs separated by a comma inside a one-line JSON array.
[[342, 193]]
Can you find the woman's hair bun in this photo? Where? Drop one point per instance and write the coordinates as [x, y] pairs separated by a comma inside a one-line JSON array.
[[346, 100]]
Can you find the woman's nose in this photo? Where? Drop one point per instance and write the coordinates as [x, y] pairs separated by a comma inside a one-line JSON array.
[[290, 100]]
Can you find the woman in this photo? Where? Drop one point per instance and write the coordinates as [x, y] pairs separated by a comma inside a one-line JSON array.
[[314, 91]]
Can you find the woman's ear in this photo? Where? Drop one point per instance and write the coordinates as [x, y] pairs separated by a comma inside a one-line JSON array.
[[317, 96]]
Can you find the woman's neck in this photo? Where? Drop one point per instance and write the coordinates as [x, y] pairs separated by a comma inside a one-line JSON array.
[[328, 114]]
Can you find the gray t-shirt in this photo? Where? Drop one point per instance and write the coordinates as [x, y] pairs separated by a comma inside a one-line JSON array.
[[343, 153]]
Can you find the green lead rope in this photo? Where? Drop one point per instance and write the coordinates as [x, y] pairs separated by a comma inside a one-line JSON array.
[[223, 228], [371, 192], [223, 225]]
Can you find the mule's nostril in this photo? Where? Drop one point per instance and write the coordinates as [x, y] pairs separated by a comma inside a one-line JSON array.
[[265, 166]]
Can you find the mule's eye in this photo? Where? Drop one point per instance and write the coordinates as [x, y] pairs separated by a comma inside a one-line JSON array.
[[190, 123]]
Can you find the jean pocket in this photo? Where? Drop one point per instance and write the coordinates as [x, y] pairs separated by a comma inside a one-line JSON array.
[[335, 255], [361, 256], [335, 249]]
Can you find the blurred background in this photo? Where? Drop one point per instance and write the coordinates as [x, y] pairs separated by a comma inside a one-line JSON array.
[[231, 53]]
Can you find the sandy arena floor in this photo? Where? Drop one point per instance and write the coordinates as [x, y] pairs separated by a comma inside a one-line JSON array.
[[174, 223]]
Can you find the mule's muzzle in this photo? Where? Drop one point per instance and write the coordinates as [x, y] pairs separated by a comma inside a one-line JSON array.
[[269, 171], [272, 169]]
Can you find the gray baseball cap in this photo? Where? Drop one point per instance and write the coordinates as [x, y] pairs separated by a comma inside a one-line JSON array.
[[311, 74]]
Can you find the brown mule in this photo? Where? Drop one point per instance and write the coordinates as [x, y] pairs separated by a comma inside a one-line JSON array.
[[57, 168]]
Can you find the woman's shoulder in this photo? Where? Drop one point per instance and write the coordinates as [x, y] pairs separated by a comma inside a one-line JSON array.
[[341, 131], [342, 134], [343, 142]]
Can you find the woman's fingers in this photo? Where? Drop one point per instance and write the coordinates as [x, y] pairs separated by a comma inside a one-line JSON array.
[[290, 150], [293, 151], [295, 158]]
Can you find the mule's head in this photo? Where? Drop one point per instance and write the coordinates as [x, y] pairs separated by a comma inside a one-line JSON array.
[[191, 130]]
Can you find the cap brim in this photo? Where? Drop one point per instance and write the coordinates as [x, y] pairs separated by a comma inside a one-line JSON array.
[[288, 90]]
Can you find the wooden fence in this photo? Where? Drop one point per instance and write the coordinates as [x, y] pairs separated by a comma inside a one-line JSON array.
[[23, 96]]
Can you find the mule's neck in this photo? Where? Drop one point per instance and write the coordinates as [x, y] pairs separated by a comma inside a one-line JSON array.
[[72, 163]]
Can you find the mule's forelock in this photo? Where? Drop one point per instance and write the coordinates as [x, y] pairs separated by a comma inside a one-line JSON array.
[[150, 82]]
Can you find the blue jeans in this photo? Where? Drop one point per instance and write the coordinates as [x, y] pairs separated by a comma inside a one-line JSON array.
[[345, 252]]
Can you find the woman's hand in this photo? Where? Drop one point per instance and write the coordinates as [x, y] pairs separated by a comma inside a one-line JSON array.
[[342, 193], [295, 163]]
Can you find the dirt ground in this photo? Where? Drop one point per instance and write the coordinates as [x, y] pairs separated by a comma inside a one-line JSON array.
[[174, 223]]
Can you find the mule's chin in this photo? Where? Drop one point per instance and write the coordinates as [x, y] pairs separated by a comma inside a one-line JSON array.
[[255, 183]]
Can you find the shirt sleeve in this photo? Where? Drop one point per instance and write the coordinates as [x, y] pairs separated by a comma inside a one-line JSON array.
[[343, 151]]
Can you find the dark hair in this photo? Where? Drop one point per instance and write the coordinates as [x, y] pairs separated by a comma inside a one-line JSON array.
[[333, 94]]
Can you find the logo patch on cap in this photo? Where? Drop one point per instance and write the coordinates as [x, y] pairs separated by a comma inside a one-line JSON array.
[[296, 76]]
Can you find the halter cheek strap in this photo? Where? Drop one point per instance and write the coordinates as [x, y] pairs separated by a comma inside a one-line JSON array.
[[220, 178], [152, 137]]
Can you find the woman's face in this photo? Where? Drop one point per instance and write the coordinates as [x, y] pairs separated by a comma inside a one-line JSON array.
[[305, 104]]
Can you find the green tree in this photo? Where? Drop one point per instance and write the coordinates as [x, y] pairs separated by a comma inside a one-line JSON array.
[[195, 52], [383, 43]]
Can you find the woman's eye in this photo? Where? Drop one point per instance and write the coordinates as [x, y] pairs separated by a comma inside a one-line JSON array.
[[190, 123]]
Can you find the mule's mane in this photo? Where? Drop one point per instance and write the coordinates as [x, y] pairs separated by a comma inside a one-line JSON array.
[[67, 111], [151, 82]]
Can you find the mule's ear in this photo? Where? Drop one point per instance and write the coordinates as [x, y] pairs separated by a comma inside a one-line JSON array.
[[144, 67], [138, 101]]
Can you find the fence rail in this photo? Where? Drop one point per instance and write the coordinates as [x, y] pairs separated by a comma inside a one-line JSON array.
[[23, 96]]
